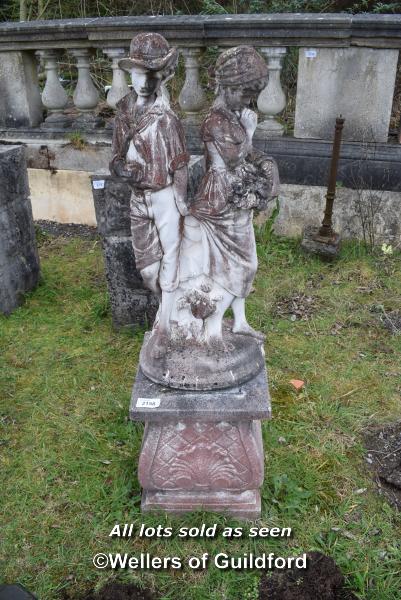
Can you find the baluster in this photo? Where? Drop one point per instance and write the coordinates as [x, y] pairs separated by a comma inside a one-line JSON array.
[[192, 97], [119, 87], [85, 95], [54, 97], [271, 100]]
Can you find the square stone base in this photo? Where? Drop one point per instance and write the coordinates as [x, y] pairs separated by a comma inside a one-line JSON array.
[[242, 505], [201, 450]]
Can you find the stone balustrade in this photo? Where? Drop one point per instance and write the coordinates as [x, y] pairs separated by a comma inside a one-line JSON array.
[[363, 48]]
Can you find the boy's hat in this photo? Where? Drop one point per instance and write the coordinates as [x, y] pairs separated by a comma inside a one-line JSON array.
[[150, 51]]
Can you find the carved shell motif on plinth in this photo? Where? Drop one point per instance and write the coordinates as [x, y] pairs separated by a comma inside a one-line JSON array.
[[202, 456]]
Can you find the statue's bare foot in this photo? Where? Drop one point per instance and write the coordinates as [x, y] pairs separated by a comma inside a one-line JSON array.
[[159, 344], [245, 329]]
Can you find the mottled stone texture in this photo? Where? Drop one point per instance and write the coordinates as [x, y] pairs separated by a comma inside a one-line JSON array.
[[202, 450], [357, 83], [131, 304], [19, 260], [21, 105]]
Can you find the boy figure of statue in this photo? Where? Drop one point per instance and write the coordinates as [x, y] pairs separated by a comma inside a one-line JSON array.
[[149, 151]]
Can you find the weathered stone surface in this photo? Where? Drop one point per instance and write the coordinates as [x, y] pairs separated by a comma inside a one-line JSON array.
[[357, 83], [301, 206], [19, 260], [191, 366], [248, 400], [300, 161], [241, 505], [20, 103], [131, 304], [295, 29], [201, 450], [313, 244], [62, 196]]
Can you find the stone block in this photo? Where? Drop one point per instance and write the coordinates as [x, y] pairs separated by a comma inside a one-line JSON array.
[[357, 83], [62, 196], [202, 450], [131, 304], [19, 260], [21, 104]]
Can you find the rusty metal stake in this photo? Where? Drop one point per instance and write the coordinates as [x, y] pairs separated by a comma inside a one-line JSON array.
[[326, 231]]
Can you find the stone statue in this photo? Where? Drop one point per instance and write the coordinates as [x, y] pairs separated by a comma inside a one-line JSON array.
[[200, 259], [202, 384], [218, 258], [149, 151]]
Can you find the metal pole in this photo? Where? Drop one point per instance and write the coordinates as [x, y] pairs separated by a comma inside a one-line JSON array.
[[326, 230]]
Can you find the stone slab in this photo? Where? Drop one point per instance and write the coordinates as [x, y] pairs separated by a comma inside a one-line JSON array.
[[20, 104], [15, 591], [251, 400], [357, 83], [61, 195]]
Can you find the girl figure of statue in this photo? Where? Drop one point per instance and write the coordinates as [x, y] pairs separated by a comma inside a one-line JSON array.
[[237, 180]]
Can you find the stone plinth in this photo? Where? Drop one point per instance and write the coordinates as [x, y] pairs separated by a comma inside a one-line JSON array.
[[19, 260], [357, 83], [201, 450]]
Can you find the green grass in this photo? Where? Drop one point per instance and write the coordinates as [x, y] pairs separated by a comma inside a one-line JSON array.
[[68, 454]]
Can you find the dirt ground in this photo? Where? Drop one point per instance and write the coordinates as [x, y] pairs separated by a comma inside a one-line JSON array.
[[68, 229], [383, 445], [120, 591], [322, 580]]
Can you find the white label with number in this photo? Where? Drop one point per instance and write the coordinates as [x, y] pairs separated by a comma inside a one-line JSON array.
[[98, 184], [148, 402], [310, 53]]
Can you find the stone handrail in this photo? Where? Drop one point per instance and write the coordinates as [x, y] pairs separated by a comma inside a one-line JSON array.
[[284, 29], [351, 42]]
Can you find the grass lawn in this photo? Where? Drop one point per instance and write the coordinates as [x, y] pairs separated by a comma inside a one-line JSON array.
[[68, 453]]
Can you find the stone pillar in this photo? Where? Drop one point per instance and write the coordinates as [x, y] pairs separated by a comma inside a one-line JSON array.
[[20, 102], [19, 260], [119, 87], [54, 97], [86, 96], [201, 450], [272, 99], [132, 305], [192, 97]]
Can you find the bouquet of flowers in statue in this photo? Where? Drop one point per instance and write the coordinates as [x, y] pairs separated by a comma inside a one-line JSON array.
[[252, 185]]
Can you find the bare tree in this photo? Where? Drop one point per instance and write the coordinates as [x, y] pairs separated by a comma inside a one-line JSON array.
[[368, 202], [23, 10]]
